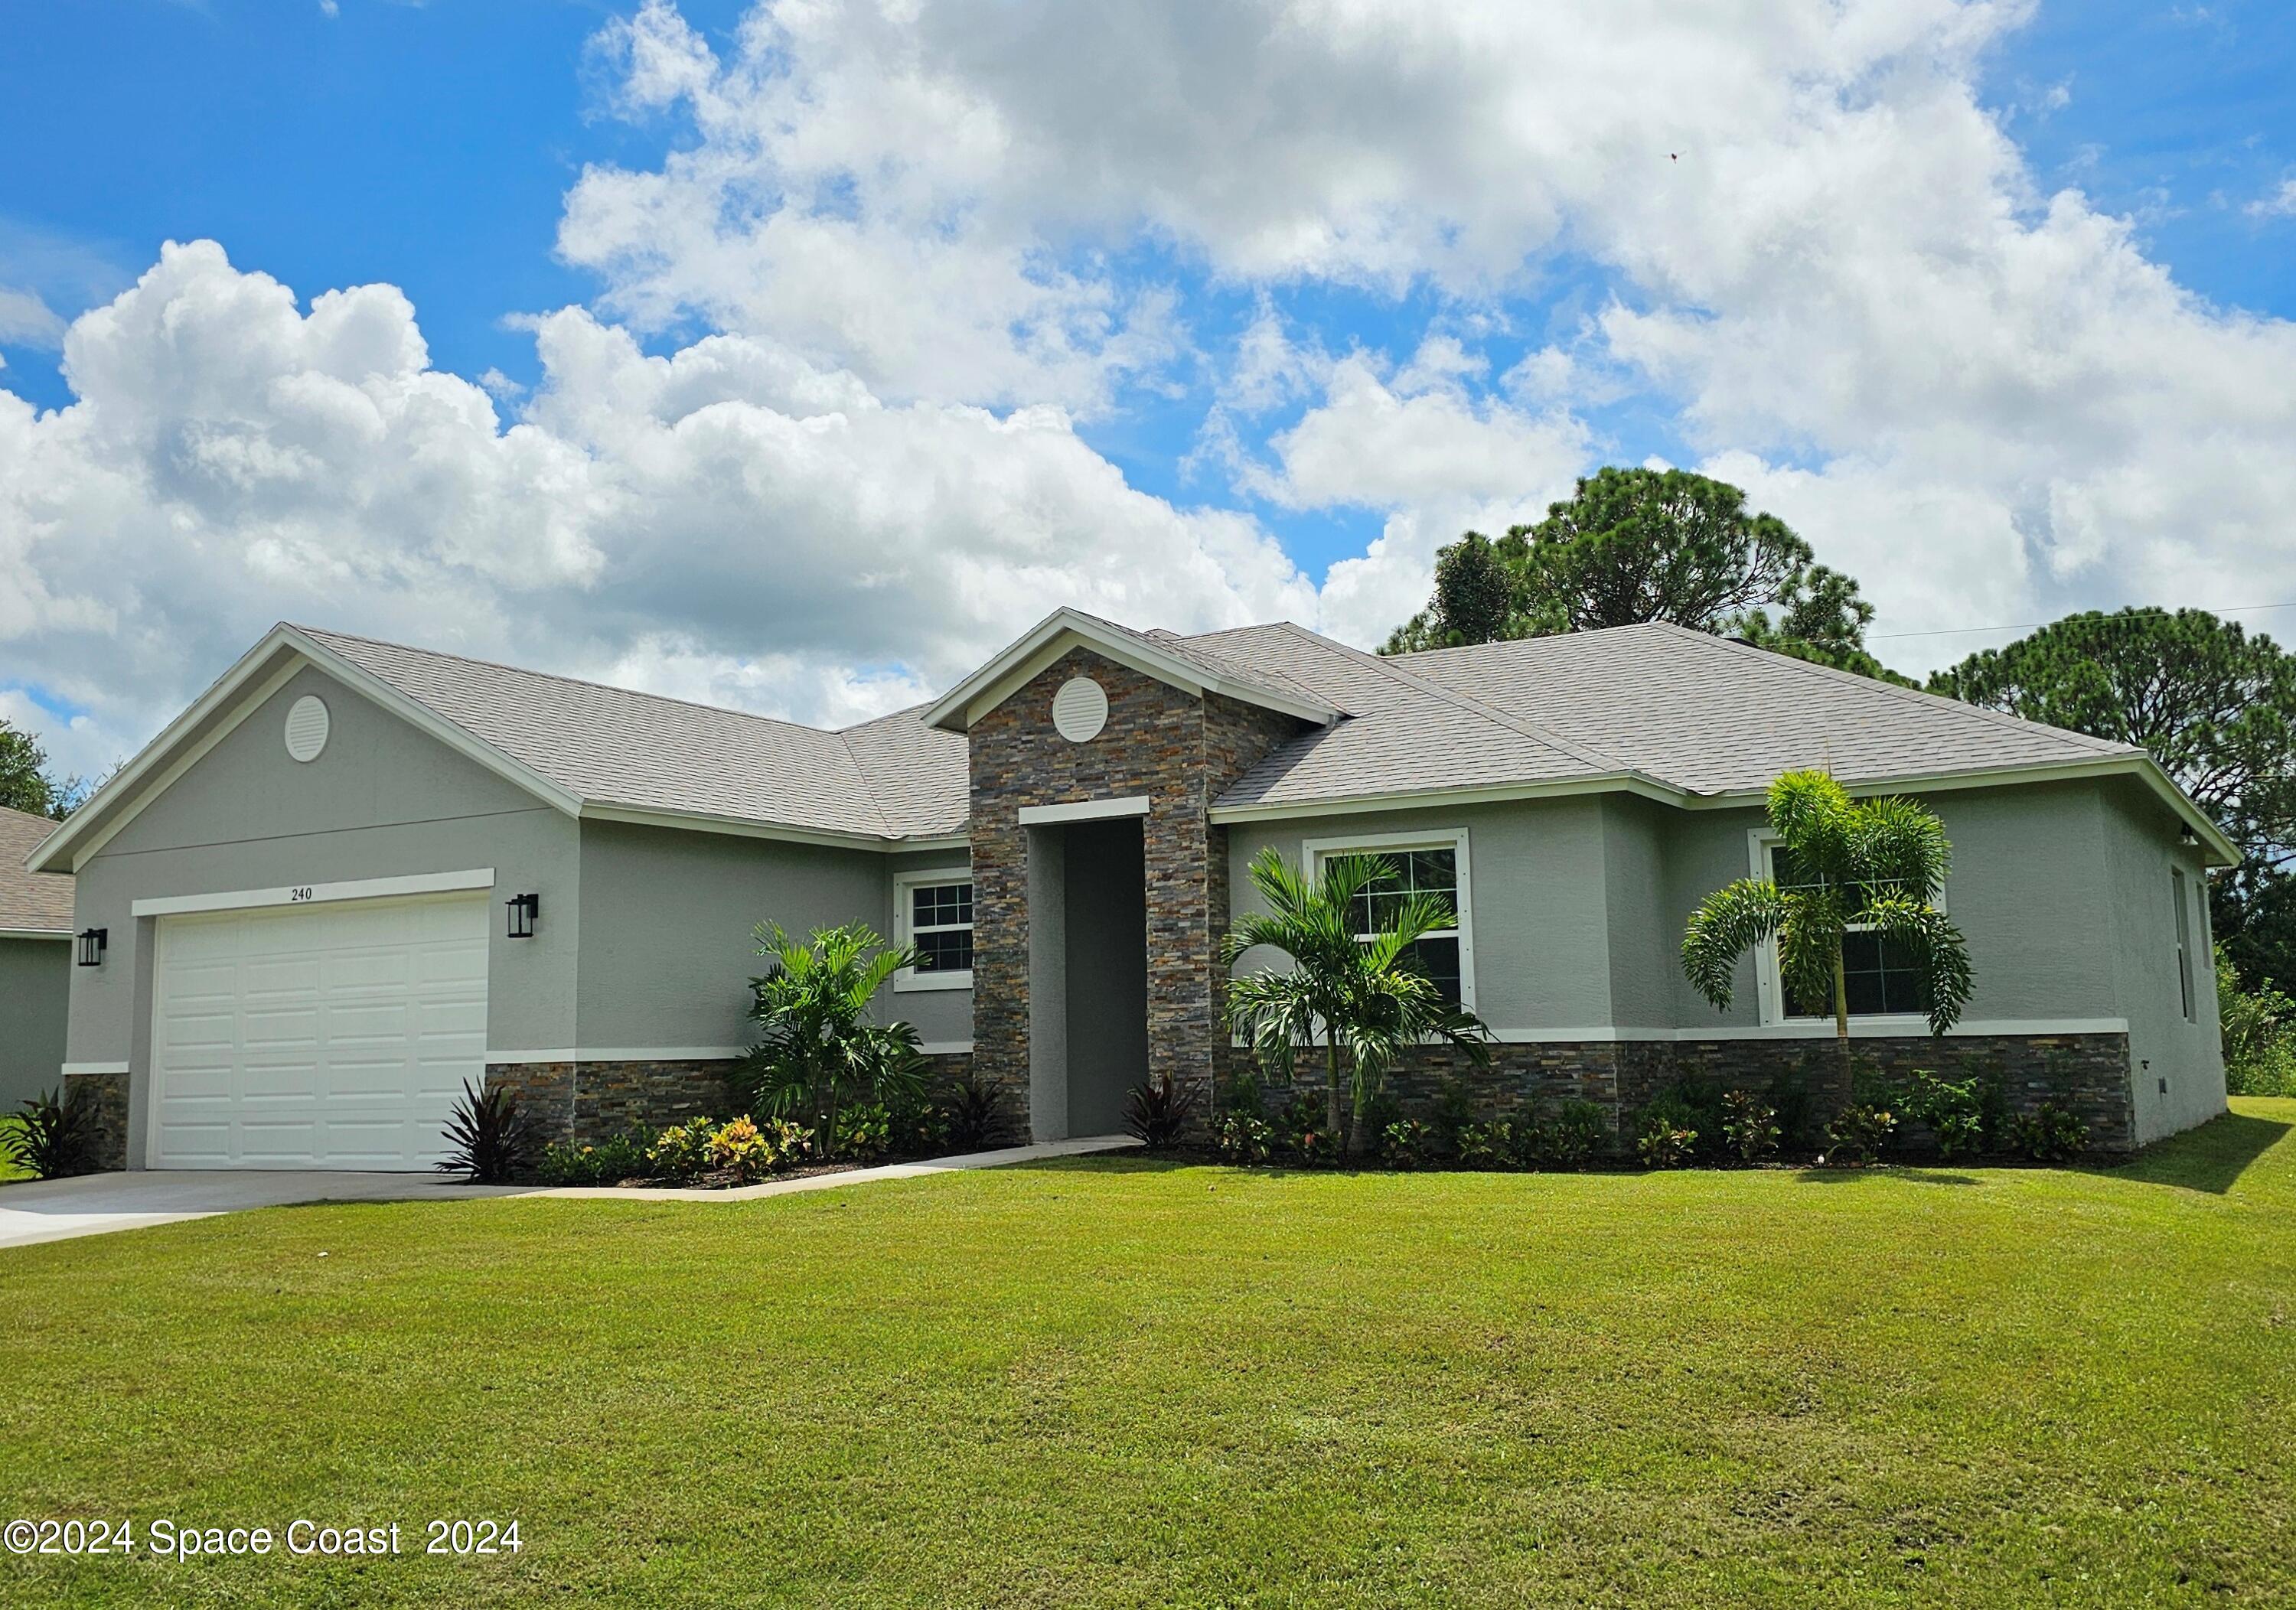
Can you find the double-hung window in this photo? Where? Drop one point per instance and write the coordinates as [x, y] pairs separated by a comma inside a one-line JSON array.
[[1431, 864], [1878, 975], [2179, 892], [933, 913]]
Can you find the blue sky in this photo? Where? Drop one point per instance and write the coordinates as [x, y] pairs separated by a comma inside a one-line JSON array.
[[433, 147]]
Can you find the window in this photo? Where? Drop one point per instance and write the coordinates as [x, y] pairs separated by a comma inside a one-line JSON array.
[[2184, 938], [932, 911], [1432, 864], [1877, 976]]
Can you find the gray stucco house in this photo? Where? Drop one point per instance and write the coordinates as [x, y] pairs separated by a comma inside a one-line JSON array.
[[35, 914], [354, 874]]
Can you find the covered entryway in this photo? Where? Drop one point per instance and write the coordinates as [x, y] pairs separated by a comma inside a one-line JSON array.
[[333, 1035], [1089, 974]]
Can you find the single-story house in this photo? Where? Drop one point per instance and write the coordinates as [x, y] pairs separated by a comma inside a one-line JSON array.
[[35, 914], [355, 874]]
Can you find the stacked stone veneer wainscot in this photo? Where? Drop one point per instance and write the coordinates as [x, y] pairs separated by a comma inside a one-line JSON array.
[[1178, 750], [586, 1102], [2086, 1074], [103, 1098]]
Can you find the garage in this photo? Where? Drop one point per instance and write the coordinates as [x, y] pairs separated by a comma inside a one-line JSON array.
[[335, 1034]]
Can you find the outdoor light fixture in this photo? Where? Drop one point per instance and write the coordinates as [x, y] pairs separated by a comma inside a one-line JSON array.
[[2191, 838], [92, 943], [523, 910]]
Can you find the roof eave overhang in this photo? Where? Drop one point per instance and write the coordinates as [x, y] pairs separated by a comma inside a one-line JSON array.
[[254, 677], [742, 827], [1026, 657], [2222, 851]]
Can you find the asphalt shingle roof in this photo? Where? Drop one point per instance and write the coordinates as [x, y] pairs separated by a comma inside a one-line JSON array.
[[1698, 712], [31, 900], [1681, 708], [611, 746]]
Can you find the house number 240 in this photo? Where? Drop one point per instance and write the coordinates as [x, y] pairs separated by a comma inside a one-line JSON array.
[[298, 896]]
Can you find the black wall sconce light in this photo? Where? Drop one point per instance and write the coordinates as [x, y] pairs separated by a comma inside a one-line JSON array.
[[92, 945], [523, 910]]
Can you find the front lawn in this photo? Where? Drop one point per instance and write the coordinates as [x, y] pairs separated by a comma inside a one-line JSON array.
[[9, 1125], [1113, 1382]]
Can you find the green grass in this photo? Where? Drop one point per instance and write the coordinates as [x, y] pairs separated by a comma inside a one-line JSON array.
[[9, 1125], [1115, 1383]]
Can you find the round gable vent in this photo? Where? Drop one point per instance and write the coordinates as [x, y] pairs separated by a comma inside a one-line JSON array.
[[1079, 709], [306, 728]]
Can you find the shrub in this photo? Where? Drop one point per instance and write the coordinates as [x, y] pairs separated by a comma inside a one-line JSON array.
[[487, 1137], [1664, 1142], [742, 1150], [2257, 1028], [607, 1162], [1954, 1109], [682, 1151], [1405, 1143], [1156, 1112], [968, 1104], [1579, 1131], [1858, 1134], [862, 1132], [817, 1048], [49, 1139], [1242, 1138], [919, 1126], [1491, 1145], [1306, 1134], [2048, 1134], [1750, 1127]]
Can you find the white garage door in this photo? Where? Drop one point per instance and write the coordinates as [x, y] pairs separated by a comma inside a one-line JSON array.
[[319, 1036]]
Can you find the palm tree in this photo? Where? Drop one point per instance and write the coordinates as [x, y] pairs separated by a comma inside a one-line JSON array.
[[818, 1049], [1875, 864], [1355, 987]]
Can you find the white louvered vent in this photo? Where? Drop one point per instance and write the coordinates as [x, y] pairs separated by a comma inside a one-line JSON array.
[[306, 728], [1079, 709]]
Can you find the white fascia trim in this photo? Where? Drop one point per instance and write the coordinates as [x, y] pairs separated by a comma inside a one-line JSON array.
[[74, 1070], [994, 681], [317, 893], [1638, 783], [1084, 810], [62, 935], [1894, 1027], [643, 1054]]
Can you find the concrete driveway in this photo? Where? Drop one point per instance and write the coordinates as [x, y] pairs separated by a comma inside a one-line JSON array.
[[56, 1210]]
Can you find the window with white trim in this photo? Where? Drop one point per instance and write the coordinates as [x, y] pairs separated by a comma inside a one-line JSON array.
[[2181, 896], [932, 913], [1879, 976], [1431, 864]]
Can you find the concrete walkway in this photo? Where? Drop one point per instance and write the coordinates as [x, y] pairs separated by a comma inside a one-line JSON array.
[[94, 1204]]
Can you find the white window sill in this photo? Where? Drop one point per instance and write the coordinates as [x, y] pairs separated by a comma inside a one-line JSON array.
[[933, 981], [1879, 1024]]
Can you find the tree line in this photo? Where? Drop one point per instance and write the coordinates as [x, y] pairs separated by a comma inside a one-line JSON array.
[[2213, 703]]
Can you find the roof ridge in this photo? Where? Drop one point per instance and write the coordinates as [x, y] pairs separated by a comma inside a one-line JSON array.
[[868, 785], [2000, 718], [1527, 729], [1279, 681], [324, 632]]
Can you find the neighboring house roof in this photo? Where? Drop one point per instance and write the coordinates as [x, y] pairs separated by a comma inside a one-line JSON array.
[[30, 902]]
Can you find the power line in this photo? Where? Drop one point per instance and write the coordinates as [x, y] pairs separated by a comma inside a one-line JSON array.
[[2035, 625]]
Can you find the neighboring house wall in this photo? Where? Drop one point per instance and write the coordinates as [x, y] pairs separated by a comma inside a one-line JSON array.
[[382, 800], [35, 985]]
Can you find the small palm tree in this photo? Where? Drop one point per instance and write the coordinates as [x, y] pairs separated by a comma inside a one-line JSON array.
[[818, 1049], [1355, 987], [1875, 864]]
